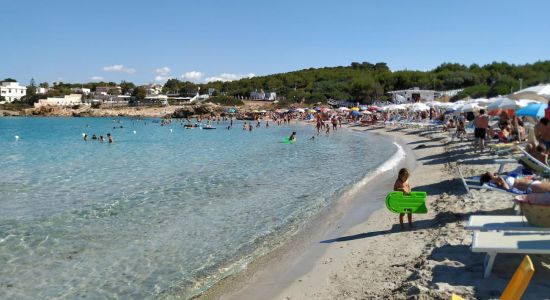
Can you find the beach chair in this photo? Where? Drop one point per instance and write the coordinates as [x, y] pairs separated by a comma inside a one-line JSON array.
[[513, 242], [501, 223], [414, 203], [534, 164], [518, 284]]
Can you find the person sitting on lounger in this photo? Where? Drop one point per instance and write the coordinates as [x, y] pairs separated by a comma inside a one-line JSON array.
[[539, 152], [520, 184]]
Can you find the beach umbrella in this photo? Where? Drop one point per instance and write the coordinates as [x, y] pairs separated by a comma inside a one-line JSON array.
[[363, 107], [342, 109], [317, 108], [469, 107], [232, 110], [355, 108], [417, 107], [532, 110], [263, 111], [503, 103], [325, 109], [312, 111], [374, 108], [356, 113]]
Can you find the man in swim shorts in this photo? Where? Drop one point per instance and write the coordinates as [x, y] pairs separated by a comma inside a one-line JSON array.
[[481, 124]]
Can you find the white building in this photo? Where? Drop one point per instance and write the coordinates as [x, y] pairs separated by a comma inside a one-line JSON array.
[[153, 89], [261, 95], [67, 100], [80, 90], [41, 90], [414, 95], [12, 91]]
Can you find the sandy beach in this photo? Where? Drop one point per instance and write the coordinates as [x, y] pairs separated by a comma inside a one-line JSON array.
[[356, 249]]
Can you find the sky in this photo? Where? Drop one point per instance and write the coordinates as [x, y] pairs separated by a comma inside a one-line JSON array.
[[202, 40]]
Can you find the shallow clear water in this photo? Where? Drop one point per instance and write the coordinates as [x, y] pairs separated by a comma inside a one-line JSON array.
[[158, 213]]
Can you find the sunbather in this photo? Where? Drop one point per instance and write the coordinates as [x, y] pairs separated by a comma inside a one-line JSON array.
[[521, 184], [402, 184]]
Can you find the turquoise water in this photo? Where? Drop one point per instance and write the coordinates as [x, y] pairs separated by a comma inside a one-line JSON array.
[[159, 213]]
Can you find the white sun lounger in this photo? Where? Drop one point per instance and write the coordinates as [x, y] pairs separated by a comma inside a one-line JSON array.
[[501, 223], [518, 242]]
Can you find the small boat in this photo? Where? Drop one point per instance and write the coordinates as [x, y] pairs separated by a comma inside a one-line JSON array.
[[209, 127]]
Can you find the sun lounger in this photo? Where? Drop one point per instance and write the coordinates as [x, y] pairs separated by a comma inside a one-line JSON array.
[[518, 242], [501, 223], [534, 164], [518, 284]]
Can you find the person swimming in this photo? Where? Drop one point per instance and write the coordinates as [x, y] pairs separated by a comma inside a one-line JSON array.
[[94, 137], [110, 137], [101, 138], [85, 137], [292, 137]]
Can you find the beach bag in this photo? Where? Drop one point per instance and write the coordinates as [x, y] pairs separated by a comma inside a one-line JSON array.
[[414, 203], [536, 208]]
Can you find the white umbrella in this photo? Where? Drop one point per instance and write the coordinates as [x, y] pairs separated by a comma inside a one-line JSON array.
[[420, 107], [503, 103], [343, 109], [482, 101], [470, 107], [300, 110]]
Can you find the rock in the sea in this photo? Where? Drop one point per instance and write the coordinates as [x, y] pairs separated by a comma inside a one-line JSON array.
[[184, 112]]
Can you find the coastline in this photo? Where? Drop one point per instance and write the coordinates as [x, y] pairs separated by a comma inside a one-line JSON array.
[[374, 258], [266, 276]]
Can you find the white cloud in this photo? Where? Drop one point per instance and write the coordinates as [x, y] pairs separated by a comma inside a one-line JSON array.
[[229, 77], [194, 76], [119, 68], [164, 71], [96, 78], [163, 74]]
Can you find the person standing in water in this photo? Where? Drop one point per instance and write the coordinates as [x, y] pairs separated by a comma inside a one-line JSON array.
[[110, 137], [85, 137], [402, 184]]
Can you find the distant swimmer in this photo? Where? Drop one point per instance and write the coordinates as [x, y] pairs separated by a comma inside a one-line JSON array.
[[266, 124], [85, 137], [94, 137], [292, 137], [312, 138], [101, 139], [110, 137]]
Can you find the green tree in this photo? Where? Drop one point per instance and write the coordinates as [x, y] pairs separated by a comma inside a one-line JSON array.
[[44, 85], [126, 87], [140, 93]]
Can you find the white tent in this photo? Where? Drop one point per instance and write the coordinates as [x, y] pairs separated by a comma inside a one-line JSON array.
[[541, 89]]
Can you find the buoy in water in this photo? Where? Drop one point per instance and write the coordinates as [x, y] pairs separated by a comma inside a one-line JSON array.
[[17, 138], [170, 130], [135, 132]]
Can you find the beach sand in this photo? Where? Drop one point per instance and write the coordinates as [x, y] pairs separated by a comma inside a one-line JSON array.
[[358, 251]]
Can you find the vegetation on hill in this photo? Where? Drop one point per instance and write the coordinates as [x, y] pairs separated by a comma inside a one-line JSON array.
[[363, 82], [366, 82]]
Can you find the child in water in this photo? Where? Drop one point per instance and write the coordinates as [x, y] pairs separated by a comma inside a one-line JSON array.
[[402, 184]]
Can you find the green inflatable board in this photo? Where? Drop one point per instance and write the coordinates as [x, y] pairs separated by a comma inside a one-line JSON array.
[[414, 203], [288, 141]]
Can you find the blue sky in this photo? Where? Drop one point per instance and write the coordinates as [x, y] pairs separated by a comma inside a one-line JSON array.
[[144, 41]]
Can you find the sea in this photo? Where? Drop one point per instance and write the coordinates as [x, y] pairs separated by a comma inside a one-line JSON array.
[[164, 212]]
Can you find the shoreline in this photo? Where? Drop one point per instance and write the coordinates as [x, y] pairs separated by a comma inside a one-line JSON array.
[[267, 275]]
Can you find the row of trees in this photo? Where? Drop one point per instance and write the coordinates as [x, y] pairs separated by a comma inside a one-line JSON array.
[[366, 82], [363, 82]]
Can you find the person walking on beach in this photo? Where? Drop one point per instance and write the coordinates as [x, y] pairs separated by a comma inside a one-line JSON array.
[[402, 184], [481, 124]]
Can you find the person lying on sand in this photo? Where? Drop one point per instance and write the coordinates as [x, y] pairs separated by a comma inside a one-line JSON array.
[[521, 184], [402, 184]]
